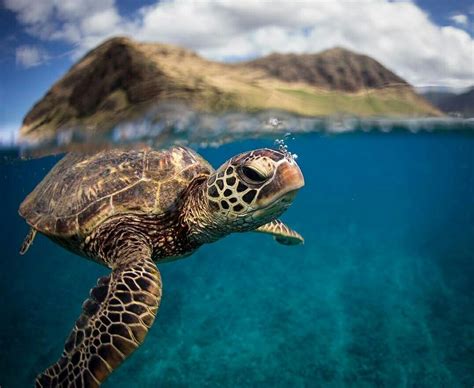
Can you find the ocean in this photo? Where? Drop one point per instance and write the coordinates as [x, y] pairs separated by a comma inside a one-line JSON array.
[[380, 295]]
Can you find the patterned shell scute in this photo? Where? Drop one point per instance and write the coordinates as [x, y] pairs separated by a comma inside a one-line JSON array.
[[82, 190]]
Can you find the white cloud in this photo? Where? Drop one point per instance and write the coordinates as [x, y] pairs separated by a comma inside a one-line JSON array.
[[100, 23], [8, 134], [398, 34], [30, 56], [460, 19], [60, 19]]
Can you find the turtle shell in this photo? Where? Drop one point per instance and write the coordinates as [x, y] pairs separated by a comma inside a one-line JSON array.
[[82, 191]]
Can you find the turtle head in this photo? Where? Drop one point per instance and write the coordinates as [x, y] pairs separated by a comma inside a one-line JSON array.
[[253, 188]]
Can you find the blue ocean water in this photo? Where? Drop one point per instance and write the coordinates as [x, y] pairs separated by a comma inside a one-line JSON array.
[[381, 294]]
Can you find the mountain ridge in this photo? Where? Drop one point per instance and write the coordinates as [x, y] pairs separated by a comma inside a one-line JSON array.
[[335, 68], [455, 104], [121, 78]]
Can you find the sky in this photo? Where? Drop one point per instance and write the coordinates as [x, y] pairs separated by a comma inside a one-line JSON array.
[[430, 43]]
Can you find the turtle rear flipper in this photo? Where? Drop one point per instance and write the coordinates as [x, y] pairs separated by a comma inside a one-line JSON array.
[[282, 233], [114, 322], [28, 241]]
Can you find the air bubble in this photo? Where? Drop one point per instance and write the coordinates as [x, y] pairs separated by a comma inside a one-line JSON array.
[[274, 122], [283, 147]]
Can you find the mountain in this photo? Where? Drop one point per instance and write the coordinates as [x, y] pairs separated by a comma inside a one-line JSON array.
[[334, 69], [122, 79], [453, 103]]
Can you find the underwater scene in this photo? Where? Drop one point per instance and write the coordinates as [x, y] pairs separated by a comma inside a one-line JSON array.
[[379, 294], [223, 193]]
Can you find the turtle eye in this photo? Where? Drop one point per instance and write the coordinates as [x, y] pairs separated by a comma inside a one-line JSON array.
[[253, 175]]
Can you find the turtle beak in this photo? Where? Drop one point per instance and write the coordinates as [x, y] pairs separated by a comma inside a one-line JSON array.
[[288, 179]]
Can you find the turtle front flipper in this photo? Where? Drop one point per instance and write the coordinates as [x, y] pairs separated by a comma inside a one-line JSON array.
[[282, 233], [114, 322]]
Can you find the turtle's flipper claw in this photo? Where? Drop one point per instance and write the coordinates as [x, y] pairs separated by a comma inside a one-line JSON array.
[[28, 241]]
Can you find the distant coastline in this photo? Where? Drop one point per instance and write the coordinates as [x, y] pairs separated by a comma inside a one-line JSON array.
[[121, 80]]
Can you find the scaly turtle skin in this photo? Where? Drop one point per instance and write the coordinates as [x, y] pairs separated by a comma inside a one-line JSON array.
[[128, 210]]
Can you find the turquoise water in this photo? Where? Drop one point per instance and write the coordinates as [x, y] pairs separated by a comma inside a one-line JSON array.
[[381, 294]]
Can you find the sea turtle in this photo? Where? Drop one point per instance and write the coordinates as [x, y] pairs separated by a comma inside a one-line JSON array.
[[131, 209]]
